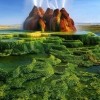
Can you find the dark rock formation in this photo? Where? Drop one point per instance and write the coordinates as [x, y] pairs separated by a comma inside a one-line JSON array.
[[35, 21], [47, 17], [57, 20], [61, 21], [66, 23]]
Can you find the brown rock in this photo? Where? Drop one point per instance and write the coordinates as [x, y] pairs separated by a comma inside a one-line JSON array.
[[71, 24], [42, 26], [35, 21], [35, 11], [55, 21], [47, 17], [66, 23], [63, 24], [64, 13], [41, 11]]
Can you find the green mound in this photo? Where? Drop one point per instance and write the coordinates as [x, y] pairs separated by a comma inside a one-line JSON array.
[[49, 67]]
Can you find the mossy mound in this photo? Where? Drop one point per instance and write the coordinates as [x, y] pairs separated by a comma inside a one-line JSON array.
[[73, 43], [87, 39], [49, 67]]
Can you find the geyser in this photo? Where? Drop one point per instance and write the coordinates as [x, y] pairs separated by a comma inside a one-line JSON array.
[[63, 3], [41, 2], [50, 20], [48, 4], [35, 2]]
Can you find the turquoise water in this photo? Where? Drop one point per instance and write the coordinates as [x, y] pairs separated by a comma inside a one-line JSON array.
[[12, 31], [98, 33], [22, 32], [94, 69]]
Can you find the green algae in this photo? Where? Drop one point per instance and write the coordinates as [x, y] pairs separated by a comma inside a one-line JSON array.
[[49, 68]]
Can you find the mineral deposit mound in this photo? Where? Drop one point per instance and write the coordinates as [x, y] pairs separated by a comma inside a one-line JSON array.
[[49, 20]]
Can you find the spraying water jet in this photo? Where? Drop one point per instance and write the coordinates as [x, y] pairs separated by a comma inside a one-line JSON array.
[[63, 3], [35, 2], [56, 3], [41, 2], [48, 4]]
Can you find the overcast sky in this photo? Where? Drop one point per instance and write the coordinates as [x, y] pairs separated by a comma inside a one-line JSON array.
[[82, 11]]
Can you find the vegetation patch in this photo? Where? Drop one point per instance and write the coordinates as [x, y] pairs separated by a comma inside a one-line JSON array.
[[53, 67]]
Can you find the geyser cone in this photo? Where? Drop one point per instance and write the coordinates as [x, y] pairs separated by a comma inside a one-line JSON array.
[[47, 17], [66, 23], [55, 21], [64, 13], [35, 21], [48, 12], [56, 12], [34, 11], [41, 11]]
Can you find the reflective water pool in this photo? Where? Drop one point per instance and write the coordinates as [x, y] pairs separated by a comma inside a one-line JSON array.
[[22, 31]]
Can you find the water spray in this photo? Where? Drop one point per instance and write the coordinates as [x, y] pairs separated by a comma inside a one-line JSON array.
[[56, 3], [41, 2], [52, 6], [35, 2], [63, 3]]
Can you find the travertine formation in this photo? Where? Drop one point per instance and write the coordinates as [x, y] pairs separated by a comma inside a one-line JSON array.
[[49, 20]]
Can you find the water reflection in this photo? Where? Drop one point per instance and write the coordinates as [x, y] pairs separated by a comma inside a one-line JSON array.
[[23, 32], [94, 69]]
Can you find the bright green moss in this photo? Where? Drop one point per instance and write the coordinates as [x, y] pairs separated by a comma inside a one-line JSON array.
[[6, 36], [73, 44], [29, 68], [53, 60], [53, 69]]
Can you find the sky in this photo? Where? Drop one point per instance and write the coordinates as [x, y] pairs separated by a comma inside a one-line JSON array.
[[82, 11]]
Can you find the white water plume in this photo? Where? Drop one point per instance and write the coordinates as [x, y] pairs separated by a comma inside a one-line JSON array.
[[52, 3], [35, 2], [52, 6], [48, 4], [63, 3], [41, 2], [56, 3]]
